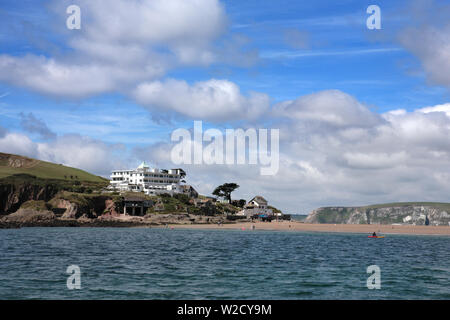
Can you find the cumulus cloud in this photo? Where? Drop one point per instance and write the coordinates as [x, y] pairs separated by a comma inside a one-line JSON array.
[[81, 152], [332, 107], [71, 80], [215, 100], [18, 144], [432, 46], [402, 157], [155, 21], [128, 46], [427, 36], [72, 150], [438, 108], [335, 151], [120, 44]]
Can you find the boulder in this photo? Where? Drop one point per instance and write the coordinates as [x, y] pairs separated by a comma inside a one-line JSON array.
[[29, 216]]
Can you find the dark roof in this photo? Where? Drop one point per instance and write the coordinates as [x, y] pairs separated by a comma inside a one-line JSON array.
[[259, 199]]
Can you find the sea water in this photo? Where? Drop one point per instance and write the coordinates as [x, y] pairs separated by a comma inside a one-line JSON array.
[[150, 263]]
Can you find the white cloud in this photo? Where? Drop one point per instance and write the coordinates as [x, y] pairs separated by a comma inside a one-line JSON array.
[[438, 108], [216, 100], [18, 144], [119, 45], [427, 36], [335, 151], [332, 107], [70, 80], [155, 22], [72, 150], [432, 46]]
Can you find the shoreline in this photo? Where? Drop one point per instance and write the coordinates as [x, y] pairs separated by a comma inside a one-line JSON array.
[[310, 227], [283, 226]]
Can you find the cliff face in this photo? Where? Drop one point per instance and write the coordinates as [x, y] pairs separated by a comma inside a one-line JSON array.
[[405, 214], [12, 196], [86, 206]]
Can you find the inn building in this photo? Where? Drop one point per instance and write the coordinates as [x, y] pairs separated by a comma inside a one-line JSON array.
[[149, 180]]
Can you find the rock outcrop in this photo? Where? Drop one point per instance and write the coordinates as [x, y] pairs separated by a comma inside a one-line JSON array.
[[89, 207], [71, 209], [26, 216], [111, 209], [16, 161], [12, 196], [394, 214]]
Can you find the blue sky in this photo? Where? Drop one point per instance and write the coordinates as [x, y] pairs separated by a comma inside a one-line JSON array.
[[283, 50]]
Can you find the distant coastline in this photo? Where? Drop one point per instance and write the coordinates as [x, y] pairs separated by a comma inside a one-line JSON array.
[[283, 226]]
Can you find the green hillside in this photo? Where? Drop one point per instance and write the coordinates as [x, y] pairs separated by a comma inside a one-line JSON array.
[[438, 205], [11, 164]]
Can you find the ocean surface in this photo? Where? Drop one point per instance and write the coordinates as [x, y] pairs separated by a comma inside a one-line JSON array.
[[140, 263]]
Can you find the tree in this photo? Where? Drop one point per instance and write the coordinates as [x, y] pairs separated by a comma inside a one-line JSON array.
[[225, 190], [239, 203]]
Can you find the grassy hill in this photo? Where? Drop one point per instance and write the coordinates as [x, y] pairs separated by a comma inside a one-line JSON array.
[[11, 165], [438, 205]]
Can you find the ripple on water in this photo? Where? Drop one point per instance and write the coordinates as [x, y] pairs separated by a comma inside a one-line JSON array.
[[224, 264]]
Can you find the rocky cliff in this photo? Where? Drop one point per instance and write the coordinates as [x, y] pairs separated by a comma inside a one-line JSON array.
[[12, 195], [401, 213], [84, 205]]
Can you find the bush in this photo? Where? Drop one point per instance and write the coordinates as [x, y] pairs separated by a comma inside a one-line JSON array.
[[81, 189], [239, 203], [165, 195], [38, 205], [182, 198]]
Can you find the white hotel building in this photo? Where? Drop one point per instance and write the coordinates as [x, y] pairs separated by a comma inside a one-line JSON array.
[[149, 180]]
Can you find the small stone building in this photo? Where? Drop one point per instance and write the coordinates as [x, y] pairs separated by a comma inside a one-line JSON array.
[[136, 206]]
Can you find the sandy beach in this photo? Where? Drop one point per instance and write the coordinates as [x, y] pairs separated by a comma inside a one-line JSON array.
[[346, 228]]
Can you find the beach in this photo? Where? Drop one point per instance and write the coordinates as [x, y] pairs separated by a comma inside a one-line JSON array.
[[309, 227]]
